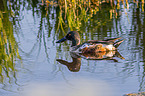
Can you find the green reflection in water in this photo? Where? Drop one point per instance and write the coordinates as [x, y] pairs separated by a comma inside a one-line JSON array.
[[79, 14], [8, 45]]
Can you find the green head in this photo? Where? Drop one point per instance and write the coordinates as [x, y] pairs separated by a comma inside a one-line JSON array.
[[72, 36]]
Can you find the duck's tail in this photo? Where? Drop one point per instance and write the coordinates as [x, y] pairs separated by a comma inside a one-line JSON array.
[[116, 44]]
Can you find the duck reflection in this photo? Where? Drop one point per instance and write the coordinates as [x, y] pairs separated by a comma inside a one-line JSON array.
[[74, 66]]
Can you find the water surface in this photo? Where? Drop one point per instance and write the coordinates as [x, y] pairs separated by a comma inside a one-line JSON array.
[[37, 72]]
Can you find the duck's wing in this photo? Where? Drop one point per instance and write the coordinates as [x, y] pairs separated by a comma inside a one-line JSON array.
[[107, 41], [116, 44], [112, 39], [99, 41]]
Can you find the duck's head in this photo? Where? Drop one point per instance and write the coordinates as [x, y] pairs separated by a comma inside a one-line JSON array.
[[72, 36]]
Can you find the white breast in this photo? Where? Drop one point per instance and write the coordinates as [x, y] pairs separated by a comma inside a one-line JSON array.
[[80, 48]]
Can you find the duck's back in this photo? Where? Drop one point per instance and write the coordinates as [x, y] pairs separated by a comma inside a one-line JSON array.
[[93, 47]]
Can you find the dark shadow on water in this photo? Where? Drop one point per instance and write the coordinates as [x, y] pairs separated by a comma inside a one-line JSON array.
[[75, 65]]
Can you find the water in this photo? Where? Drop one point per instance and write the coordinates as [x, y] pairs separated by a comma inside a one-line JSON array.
[[38, 73]]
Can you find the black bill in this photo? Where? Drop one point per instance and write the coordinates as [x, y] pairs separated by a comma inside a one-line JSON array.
[[61, 40]]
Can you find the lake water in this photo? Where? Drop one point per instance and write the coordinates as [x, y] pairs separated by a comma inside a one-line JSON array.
[[39, 74]]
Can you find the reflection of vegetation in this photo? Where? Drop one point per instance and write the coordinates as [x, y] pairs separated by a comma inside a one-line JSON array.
[[138, 25], [75, 14], [8, 45]]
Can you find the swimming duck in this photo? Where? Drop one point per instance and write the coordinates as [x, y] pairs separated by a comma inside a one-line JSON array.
[[90, 46]]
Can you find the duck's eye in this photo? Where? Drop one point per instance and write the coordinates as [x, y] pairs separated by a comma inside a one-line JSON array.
[[69, 35]]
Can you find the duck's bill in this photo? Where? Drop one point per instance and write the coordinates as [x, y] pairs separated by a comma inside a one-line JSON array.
[[61, 40]]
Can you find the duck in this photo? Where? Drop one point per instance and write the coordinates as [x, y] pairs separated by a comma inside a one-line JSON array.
[[90, 46]]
